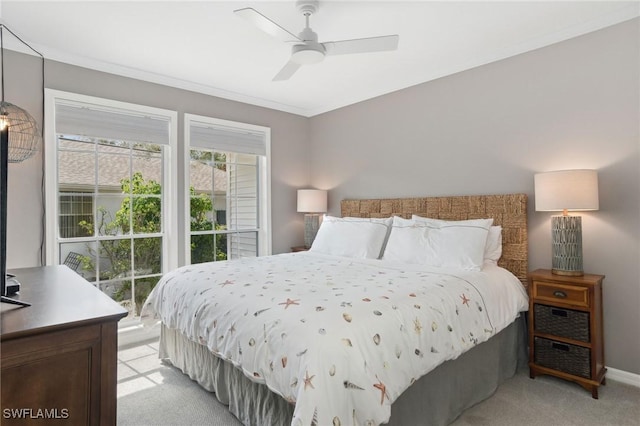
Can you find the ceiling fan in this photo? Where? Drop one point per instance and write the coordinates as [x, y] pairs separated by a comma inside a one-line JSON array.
[[306, 48]]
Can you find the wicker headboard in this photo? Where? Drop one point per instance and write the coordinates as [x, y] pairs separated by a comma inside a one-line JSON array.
[[508, 211]]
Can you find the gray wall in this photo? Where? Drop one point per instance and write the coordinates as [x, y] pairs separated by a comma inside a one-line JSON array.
[[289, 145], [488, 130]]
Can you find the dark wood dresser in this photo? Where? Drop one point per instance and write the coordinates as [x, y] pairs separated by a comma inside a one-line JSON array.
[[59, 355]]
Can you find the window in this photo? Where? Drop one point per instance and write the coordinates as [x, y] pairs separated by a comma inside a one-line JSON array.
[[75, 208], [108, 182], [228, 182], [112, 185]]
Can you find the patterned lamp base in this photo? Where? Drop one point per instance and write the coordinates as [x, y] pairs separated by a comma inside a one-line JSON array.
[[311, 226], [566, 240]]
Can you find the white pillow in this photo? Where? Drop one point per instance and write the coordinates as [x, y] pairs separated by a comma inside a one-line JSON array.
[[440, 222], [407, 242], [361, 238], [439, 243], [493, 246]]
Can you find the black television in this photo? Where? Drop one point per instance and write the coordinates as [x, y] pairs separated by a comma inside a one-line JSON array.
[[4, 165]]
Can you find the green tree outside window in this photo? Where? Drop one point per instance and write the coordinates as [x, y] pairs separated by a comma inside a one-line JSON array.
[[140, 212]]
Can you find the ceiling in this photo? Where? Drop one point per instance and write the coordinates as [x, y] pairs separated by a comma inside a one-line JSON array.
[[203, 46]]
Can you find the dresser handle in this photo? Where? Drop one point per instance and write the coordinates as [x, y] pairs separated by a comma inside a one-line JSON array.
[[560, 294]]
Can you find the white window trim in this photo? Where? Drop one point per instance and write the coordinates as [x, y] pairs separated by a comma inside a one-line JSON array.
[[264, 190], [169, 184]]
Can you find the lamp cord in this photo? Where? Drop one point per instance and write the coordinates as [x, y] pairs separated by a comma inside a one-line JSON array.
[[2, 28], [2, 58], [42, 184], [22, 41]]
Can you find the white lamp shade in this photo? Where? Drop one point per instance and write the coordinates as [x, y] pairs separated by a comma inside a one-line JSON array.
[[312, 201], [566, 189]]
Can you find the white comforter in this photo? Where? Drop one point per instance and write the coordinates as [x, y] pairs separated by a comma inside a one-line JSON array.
[[341, 338]]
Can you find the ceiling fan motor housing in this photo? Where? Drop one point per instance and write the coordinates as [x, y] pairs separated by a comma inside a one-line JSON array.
[[309, 53]]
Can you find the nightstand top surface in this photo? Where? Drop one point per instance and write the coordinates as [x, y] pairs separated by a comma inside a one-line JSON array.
[[545, 274]]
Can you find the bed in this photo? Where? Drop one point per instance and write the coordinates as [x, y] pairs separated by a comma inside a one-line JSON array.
[[323, 338]]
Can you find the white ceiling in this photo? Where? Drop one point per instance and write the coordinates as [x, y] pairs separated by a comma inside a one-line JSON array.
[[203, 46]]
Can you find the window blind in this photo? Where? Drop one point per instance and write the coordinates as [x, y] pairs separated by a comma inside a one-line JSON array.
[[106, 123], [227, 139]]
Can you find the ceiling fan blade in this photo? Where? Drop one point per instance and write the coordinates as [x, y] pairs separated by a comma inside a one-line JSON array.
[[266, 24], [287, 71], [362, 45]]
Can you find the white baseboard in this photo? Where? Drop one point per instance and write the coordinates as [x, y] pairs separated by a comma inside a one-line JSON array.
[[623, 377]]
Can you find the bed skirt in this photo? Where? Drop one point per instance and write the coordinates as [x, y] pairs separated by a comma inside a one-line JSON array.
[[438, 398]]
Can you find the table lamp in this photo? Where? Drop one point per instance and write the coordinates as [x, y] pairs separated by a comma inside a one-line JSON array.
[[566, 190], [312, 202]]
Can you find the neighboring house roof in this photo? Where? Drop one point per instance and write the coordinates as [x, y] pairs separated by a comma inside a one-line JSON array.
[[201, 178], [77, 170]]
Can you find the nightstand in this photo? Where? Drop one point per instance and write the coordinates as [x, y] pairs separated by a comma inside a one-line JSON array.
[[565, 328], [299, 248]]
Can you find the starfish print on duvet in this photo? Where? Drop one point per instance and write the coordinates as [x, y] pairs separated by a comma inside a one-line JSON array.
[[340, 338]]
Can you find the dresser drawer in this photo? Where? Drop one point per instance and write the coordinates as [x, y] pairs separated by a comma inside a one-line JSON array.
[[561, 293], [563, 357], [562, 322]]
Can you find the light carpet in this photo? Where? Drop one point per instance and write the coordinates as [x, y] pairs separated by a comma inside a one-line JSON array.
[[153, 392]]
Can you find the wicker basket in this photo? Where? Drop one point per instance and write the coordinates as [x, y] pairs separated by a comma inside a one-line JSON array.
[[562, 322], [563, 357]]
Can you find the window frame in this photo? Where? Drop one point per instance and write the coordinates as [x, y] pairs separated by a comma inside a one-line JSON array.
[[264, 181], [170, 187]]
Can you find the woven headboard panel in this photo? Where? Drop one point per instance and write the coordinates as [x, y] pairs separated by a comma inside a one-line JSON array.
[[508, 211]]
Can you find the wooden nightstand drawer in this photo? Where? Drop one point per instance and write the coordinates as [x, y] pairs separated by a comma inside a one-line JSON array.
[[563, 357], [562, 322], [561, 293]]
